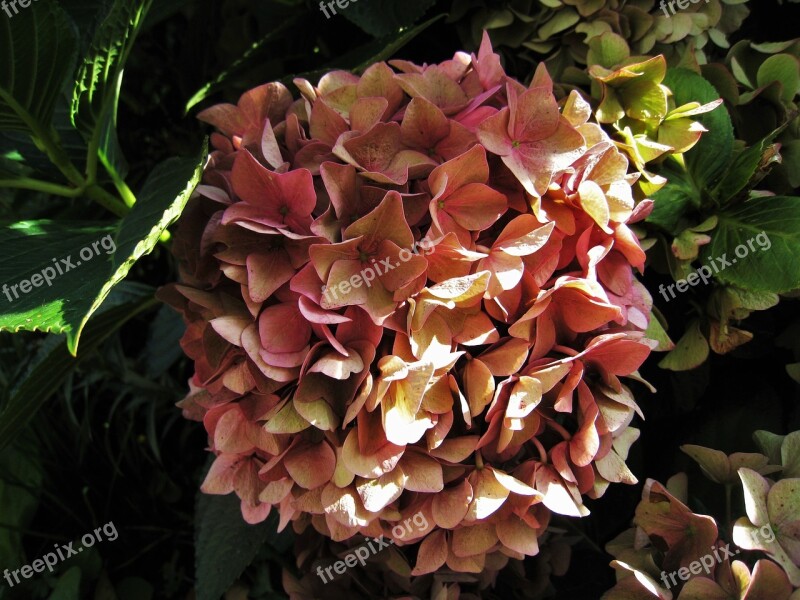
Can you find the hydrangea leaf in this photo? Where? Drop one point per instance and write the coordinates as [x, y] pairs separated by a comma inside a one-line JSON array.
[[225, 545], [784, 68], [27, 248], [769, 230], [691, 350], [709, 159], [38, 47], [386, 17]]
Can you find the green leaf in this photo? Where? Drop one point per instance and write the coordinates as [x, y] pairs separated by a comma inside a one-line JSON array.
[[784, 68], [31, 250], [225, 544], [252, 58], [382, 49], [560, 21], [163, 342], [790, 153], [790, 455], [95, 95], [674, 200], [20, 482], [53, 363], [99, 75], [607, 49], [766, 231], [68, 586], [690, 352], [87, 15], [134, 588], [742, 170], [385, 17], [27, 155], [110, 152], [657, 332], [709, 159], [38, 48], [769, 444], [359, 59]]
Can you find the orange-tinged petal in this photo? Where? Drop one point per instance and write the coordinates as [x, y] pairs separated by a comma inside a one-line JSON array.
[[525, 397], [283, 329], [469, 564], [473, 539], [506, 272], [311, 465], [434, 85], [286, 420], [514, 533], [534, 114], [386, 222], [477, 330], [479, 386], [506, 357], [276, 491], [524, 235], [266, 273], [475, 206], [315, 409], [424, 474], [451, 505], [594, 203], [382, 461], [456, 450], [367, 112], [432, 554], [424, 124], [557, 496], [344, 505], [219, 479], [468, 168], [489, 495], [378, 493]]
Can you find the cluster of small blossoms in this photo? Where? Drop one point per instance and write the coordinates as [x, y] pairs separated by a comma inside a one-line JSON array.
[[474, 377]]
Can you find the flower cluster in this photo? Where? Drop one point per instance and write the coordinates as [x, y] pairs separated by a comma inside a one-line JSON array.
[[673, 552], [386, 574], [574, 33], [413, 291]]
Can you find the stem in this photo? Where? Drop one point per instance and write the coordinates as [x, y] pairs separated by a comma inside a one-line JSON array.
[[46, 139], [560, 429], [42, 186], [106, 200], [91, 154], [570, 524], [125, 192], [46, 142], [728, 491], [542, 451]]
